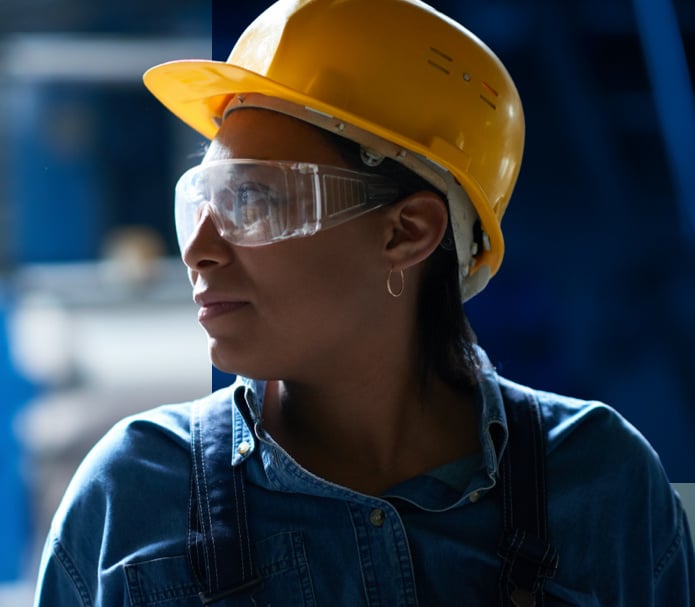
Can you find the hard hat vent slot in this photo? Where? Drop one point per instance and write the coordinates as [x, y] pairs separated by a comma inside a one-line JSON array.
[[489, 88], [441, 61], [490, 103]]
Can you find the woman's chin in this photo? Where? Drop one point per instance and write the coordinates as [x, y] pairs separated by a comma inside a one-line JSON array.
[[236, 361]]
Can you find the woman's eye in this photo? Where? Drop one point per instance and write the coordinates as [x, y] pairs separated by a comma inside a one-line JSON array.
[[251, 194], [254, 201]]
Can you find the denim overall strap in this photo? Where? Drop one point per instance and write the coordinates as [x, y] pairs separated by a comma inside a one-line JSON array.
[[219, 545], [528, 558]]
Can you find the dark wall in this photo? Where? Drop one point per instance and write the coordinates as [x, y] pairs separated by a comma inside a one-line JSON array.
[[596, 296]]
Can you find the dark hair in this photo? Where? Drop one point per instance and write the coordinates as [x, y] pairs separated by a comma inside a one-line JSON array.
[[445, 335]]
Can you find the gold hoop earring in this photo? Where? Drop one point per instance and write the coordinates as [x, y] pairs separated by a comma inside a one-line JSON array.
[[393, 293]]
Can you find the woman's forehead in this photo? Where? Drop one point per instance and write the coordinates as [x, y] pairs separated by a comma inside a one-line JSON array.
[[267, 135]]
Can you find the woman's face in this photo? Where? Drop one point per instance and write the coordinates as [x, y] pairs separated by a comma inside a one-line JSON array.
[[289, 309]]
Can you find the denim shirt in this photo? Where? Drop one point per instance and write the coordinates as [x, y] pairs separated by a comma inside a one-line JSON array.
[[119, 535]]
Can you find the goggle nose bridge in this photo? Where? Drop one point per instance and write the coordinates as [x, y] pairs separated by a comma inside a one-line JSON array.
[[207, 211]]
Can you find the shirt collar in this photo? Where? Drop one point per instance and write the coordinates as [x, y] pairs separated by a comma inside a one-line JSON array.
[[492, 428], [248, 400]]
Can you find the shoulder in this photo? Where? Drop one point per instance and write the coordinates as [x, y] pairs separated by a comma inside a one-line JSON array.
[[589, 431], [127, 500], [137, 454], [143, 463], [134, 446], [592, 448], [591, 438], [609, 494], [148, 451]]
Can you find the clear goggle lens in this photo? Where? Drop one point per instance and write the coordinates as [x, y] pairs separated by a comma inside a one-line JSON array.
[[256, 202]]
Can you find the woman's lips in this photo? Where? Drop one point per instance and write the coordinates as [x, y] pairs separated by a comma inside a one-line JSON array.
[[209, 311]]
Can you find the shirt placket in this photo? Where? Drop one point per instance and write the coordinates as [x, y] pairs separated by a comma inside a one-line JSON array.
[[384, 553]]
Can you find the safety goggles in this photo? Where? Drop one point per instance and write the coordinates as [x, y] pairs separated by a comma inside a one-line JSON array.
[[257, 202]]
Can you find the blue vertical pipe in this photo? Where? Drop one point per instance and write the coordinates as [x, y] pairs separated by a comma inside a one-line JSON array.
[[673, 94]]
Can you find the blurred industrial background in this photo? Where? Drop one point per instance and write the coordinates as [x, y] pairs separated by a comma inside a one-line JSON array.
[[596, 296]]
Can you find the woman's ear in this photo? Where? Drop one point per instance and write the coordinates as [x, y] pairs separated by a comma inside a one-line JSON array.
[[415, 227]]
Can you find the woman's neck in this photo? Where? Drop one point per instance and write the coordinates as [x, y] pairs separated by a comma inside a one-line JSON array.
[[371, 432]]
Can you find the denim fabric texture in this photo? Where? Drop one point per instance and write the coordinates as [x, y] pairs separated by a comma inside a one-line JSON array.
[[119, 536]]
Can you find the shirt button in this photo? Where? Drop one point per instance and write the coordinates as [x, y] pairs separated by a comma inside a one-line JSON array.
[[377, 517], [474, 497], [243, 448]]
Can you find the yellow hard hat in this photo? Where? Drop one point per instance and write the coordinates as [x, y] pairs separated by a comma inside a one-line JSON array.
[[395, 68]]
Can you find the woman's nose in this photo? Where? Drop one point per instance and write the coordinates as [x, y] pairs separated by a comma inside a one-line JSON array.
[[205, 247]]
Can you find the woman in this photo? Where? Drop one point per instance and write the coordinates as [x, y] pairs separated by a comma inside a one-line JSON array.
[[363, 153]]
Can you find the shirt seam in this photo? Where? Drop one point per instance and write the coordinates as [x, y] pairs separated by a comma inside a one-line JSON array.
[[68, 565], [670, 551]]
